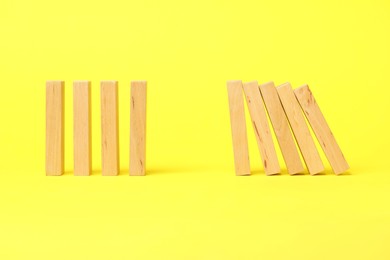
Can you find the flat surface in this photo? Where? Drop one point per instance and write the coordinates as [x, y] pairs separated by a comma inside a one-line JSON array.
[[195, 215], [190, 205]]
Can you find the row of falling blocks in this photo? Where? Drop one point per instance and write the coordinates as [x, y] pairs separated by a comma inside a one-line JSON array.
[[286, 108], [82, 128]]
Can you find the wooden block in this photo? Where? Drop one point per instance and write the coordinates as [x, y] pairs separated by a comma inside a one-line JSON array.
[[300, 129], [82, 128], [54, 128], [321, 129], [261, 128], [137, 128], [238, 125], [282, 129], [109, 121]]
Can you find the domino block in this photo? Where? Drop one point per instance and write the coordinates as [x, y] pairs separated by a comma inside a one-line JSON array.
[[82, 128], [238, 126], [54, 128], [109, 124], [300, 129], [281, 127], [321, 129], [137, 128], [261, 128]]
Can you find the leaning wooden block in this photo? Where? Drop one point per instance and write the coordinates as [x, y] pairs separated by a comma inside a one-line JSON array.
[[238, 126], [109, 123], [261, 128], [54, 128], [82, 128], [137, 128], [282, 129], [300, 129], [321, 129]]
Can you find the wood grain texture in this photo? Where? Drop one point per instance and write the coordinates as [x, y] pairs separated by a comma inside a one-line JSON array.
[[238, 126], [54, 128], [137, 128], [261, 128], [321, 129], [82, 128], [282, 129], [300, 129], [109, 124]]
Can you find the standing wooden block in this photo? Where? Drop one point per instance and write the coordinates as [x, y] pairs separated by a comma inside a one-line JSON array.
[[261, 128], [82, 128], [300, 129], [321, 129], [137, 128], [282, 129], [109, 117], [238, 125], [54, 128]]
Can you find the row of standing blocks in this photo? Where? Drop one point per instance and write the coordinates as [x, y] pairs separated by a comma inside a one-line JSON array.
[[283, 105], [286, 109], [82, 127]]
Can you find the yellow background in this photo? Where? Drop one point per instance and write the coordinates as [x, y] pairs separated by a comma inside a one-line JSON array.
[[190, 205]]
